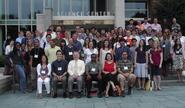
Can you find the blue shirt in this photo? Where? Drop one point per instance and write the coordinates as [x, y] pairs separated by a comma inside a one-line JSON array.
[[119, 52], [77, 46], [19, 39]]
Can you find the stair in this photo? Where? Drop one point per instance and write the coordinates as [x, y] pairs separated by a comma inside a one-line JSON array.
[[5, 81]]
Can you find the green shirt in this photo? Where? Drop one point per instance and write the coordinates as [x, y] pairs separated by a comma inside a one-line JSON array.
[[93, 68], [125, 67]]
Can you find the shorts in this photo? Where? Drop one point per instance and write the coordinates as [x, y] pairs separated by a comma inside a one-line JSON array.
[[155, 70], [141, 71]]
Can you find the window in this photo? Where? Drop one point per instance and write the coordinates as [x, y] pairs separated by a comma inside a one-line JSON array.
[[2, 9], [76, 5], [12, 9], [25, 9], [64, 7], [37, 7], [135, 9]]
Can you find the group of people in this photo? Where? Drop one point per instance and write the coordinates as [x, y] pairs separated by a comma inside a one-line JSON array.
[[113, 58]]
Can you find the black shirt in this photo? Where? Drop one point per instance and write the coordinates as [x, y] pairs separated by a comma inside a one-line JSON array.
[[36, 54], [141, 55], [68, 52], [59, 67]]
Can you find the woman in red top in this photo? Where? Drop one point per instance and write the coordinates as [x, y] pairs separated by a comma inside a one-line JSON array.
[[109, 72], [156, 58]]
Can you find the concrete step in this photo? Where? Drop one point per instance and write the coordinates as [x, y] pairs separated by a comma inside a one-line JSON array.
[[5, 82]]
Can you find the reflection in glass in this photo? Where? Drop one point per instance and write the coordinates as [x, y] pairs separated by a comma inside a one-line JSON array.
[[76, 5], [64, 6], [135, 9], [26, 11], [12, 7], [2, 9], [37, 7]]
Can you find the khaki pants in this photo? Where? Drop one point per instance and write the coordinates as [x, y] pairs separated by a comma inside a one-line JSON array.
[[71, 80]]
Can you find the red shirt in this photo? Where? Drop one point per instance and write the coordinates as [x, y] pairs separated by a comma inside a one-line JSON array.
[[109, 67], [155, 55]]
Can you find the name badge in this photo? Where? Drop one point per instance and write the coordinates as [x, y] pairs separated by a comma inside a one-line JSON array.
[[36, 56], [125, 68], [177, 52], [43, 72], [164, 46], [70, 53], [59, 68], [93, 69]]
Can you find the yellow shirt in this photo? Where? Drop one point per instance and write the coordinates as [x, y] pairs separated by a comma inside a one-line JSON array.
[[76, 67], [51, 53]]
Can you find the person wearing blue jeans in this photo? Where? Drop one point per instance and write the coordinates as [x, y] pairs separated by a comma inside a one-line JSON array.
[[18, 61], [22, 78]]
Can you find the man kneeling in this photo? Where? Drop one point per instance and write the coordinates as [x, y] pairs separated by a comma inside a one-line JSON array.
[[125, 69]]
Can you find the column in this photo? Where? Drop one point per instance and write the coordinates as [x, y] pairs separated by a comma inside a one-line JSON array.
[[120, 13], [44, 20]]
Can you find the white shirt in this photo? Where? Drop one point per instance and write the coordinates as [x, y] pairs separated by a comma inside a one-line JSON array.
[[76, 67], [43, 39], [39, 67], [182, 39], [8, 49], [156, 27], [146, 25], [88, 53]]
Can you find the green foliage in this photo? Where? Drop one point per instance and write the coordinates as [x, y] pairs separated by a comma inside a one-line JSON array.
[[172, 8]]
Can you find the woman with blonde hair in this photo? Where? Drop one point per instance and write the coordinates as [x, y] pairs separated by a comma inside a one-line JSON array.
[[156, 59]]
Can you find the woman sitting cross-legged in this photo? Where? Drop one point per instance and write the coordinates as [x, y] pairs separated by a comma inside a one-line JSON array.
[[43, 73], [109, 73]]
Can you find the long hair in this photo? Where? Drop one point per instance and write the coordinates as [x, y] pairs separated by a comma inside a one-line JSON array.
[[15, 47], [109, 45], [46, 60], [144, 45], [176, 45]]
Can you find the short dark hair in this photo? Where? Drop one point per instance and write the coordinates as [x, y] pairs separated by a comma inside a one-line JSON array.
[[93, 55], [48, 35], [107, 55], [59, 51], [134, 39], [150, 40]]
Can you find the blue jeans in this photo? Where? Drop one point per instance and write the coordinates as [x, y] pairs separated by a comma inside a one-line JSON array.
[[22, 77]]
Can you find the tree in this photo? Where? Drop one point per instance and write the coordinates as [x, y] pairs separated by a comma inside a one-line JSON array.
[[171, 8]]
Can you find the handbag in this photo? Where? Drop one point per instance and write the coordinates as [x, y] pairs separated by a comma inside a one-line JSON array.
[[183, 73]]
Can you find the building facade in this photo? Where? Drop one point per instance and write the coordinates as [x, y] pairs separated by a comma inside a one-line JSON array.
[[16, 15]]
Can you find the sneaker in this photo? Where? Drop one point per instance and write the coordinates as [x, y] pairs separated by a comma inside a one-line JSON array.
[[106, 96], [89, 96], [64, 95], [129, 90], [40, 96], [123, 93], [70, 95], [79, 95], [100, 95], [48, 94], [55, 95]]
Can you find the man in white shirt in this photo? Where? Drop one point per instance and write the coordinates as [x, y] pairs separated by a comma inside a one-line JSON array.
[[146, 24], [156, 26], [76, 69]]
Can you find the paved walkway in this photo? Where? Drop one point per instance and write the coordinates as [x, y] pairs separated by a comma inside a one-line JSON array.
[[169, 97]]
